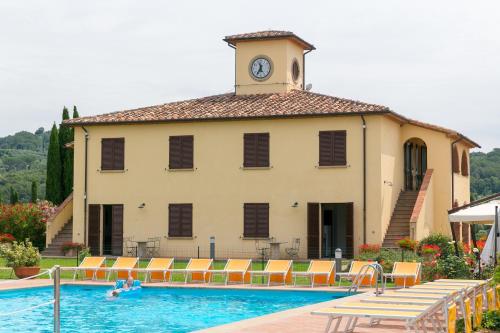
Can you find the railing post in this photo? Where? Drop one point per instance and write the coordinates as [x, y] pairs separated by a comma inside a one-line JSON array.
[[57, 299]]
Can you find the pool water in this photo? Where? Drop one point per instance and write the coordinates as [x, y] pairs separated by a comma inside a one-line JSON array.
[[87, 309]]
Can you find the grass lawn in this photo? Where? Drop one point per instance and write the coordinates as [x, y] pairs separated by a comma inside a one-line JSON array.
[[71, 262]]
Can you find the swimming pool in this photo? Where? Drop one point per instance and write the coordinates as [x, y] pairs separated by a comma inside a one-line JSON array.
[[86, 309]]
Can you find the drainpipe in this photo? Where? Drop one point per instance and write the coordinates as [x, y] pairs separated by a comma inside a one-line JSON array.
[[234, 48], [304, 69], [85, 188], [364, 178], [453, 194]]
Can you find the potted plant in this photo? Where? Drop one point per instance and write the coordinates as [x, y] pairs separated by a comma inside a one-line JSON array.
[[406, 244], [70, 249], [6, 239], [23, 257]]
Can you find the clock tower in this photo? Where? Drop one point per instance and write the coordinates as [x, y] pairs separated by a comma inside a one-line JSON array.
[[268, 61]]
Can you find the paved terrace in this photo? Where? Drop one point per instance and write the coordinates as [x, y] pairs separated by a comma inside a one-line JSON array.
[[294, 320]]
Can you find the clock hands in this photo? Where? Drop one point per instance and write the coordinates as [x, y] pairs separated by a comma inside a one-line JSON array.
[[260, 68]]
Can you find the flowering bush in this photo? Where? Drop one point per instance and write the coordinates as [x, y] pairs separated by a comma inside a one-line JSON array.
[[6, 238], [21, 254], [369, 248], [67, 246], [431, 249], [443, 241], [407, 244], [26, 221]]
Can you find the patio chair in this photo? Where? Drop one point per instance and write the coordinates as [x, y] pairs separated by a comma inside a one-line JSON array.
[[123, 267], [318, 272], [90, 266], [129, 247], [293, 251], [355, 268], [262, 250], [153, 247], [158, 269], [198, 269], [404, 274], [279, 271], [235, 271]]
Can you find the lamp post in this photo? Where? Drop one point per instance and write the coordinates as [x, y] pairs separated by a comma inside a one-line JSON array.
[[338, 260]]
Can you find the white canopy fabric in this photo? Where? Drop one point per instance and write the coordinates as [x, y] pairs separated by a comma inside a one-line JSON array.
[[488, 253], [480, 214]]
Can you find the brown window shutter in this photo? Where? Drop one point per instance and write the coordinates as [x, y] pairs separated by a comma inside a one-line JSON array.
[[180, 220], [349, 231], [465, 165], [181, 152], [107, 154], [119, 154], [94, 221], [256, 220], [454, 160], [256, 150], [117, 230], [313, 230], [113, 154], [339, 148], [332, 148]]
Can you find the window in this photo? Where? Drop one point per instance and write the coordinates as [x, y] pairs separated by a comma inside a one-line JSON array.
[[112, 154], [256, 150], [180, 220], [256, 220], [465, 164], [181, 152], [332, 148], [454, 160]]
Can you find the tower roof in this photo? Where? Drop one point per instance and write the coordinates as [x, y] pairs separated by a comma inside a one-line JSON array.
[[269, 34]]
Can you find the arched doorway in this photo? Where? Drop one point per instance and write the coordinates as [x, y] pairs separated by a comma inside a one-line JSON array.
[[415, 164]]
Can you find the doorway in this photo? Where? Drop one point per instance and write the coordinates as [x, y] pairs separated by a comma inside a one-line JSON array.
[[415, 163], [105, 229]]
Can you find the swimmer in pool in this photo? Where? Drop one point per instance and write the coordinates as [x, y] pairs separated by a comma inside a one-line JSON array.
[[126, 286]]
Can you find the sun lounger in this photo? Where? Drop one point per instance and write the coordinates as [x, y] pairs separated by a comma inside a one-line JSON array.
[[319, 272], [355, 268], [158, 269], [124, 267], [398, 300], [235, 271], [198, 269], [405, 274], [90, 267], [278, 271]]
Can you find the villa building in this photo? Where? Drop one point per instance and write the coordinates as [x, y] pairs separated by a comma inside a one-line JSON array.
[[270, 160]]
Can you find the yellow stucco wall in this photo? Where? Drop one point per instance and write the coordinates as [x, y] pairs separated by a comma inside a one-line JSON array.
[[218, 187], [281, 52]]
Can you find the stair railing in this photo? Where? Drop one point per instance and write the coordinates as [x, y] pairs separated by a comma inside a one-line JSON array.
[[363, 272]]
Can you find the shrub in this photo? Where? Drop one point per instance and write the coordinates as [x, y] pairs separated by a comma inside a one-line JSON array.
[[431, 249], [21, 254], [491, 320], [444, 242], [85, 252], [496, 275], [453, 267], [6, 238], [387, 257], [370, 248], [26, 221]]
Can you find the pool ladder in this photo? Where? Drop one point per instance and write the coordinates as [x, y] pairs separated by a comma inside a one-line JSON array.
[[363, 272]]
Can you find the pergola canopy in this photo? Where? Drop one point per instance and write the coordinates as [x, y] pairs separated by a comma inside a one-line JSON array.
[[480, 214]]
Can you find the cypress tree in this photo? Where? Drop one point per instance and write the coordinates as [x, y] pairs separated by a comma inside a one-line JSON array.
[[34, 191], [1, 199], [75, 112], [14, 197], [65, 137], [54, 169]]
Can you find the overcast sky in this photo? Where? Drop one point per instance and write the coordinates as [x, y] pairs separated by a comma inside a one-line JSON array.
[[435, 61]]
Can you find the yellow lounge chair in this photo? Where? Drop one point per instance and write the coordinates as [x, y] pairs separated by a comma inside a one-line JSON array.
[[198, 269], [235, 271], [278, 271], [124, 267], [318, 272], [90, 267], [398, 300], [355, 268], [158, 269], [405, 274]]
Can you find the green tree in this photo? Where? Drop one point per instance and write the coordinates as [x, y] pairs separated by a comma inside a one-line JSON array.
[[65, 137], [1, 199], [34, 191], [14, 197], [54, 170], [75, 112]]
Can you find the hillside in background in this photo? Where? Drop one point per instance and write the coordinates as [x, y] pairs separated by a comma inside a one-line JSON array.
[[23, 159]]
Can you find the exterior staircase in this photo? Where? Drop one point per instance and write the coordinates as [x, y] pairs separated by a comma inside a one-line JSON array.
[[63, 236], [399, 227]]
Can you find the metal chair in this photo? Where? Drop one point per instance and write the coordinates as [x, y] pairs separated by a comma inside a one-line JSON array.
[[129, 247], [153, 247], [293, 251], [262, 251]]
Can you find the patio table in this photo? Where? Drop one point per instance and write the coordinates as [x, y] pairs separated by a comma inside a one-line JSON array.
[[275, 250]]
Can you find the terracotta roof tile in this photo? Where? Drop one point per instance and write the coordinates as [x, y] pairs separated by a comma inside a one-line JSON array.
[[231, 106], [268, 34]]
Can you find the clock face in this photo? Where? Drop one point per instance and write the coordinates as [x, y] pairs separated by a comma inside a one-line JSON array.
[[260, 68]]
